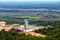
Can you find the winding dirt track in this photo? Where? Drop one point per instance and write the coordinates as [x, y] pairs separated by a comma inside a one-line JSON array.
[[35, 34]]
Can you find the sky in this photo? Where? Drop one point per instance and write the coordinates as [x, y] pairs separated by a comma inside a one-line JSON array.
[[29, 0]]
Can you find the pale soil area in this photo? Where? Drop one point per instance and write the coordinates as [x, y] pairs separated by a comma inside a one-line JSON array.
[[34, 34]]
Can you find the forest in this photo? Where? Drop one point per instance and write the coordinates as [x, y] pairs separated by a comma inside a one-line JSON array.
[[52, 32]]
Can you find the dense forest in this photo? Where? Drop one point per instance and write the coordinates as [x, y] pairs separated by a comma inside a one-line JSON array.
[[13, 35], [52, 32]]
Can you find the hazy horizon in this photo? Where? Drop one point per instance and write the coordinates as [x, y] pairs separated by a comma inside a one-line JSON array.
[[29, 0], [30, 4]]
